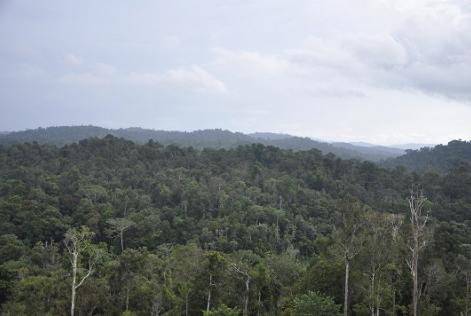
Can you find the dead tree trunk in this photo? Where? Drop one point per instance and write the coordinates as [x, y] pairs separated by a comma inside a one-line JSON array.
[[76, 243], [121, 236], [246, 275], [247, 292], [418, 220], [208, 303], [347, 272], [74, 281]]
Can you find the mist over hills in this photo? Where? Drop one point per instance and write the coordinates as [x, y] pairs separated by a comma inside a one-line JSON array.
[[212, 138]]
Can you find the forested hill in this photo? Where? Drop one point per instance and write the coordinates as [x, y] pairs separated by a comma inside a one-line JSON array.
[[215, 138], [441, 158], [251, 230]]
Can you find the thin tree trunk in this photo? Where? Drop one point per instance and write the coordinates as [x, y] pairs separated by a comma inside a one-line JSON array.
[[74, 281], [277, 232], [121, 235], [259, 302], [372, 294], [208, 305], [394, 303], [378, 299], [347, 272], [127, 297], [418, 222], [415, 284], [246, 298]]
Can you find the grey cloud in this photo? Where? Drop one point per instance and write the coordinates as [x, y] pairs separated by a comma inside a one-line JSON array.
[[330, 68]]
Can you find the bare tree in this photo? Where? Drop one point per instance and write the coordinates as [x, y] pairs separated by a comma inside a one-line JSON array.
[[210, 286], [350, 222], [418, 222], [245, 274], [378, 247], [215, 265], [77, 243], [118, 227]]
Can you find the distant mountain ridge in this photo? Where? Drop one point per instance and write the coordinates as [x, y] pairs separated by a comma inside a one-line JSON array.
[[213, 138]]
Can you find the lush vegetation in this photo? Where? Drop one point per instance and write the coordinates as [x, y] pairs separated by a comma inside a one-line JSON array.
[[112, 227], [440, 159], [215, 138]]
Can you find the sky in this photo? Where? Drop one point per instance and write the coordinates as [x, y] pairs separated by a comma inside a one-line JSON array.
[[380, 71]]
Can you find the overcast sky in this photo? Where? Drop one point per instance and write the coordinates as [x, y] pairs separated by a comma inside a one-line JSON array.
[[380, 71]]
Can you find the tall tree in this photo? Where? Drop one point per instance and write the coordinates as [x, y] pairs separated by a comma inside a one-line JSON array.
[[118, 226], [78, 244], [381, 239], [350, 221], [418, 240], [215, 265]]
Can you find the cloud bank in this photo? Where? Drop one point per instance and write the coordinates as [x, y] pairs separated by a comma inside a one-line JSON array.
[[376, 70]]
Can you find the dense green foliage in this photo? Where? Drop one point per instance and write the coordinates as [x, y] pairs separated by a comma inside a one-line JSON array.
[[314, 303], [216, 138], [440, 158], [259, 230]]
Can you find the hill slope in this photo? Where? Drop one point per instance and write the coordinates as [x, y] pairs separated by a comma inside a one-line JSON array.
[[440, 158], [215, 138]]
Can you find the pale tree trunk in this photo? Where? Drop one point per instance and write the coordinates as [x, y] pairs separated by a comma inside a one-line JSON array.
[[76, 242], [246, 274], [394, 303], [418, 222], [74, 281], [277, 231], [76, 285], [259, 302], [127, 297], [208, 304], [347, 272], [414, 271], [372, 294], [378, 298], [415, 287], [121, 235], [246, 299]]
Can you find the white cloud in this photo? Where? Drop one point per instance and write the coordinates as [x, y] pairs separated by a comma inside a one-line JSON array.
[[194, 78], [428, 50]]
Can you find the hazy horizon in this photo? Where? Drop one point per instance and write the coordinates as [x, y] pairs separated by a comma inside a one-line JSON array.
[[383, 72], [353, 142]]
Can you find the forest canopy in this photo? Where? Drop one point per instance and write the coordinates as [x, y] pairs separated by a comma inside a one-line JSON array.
[[111, 227]]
